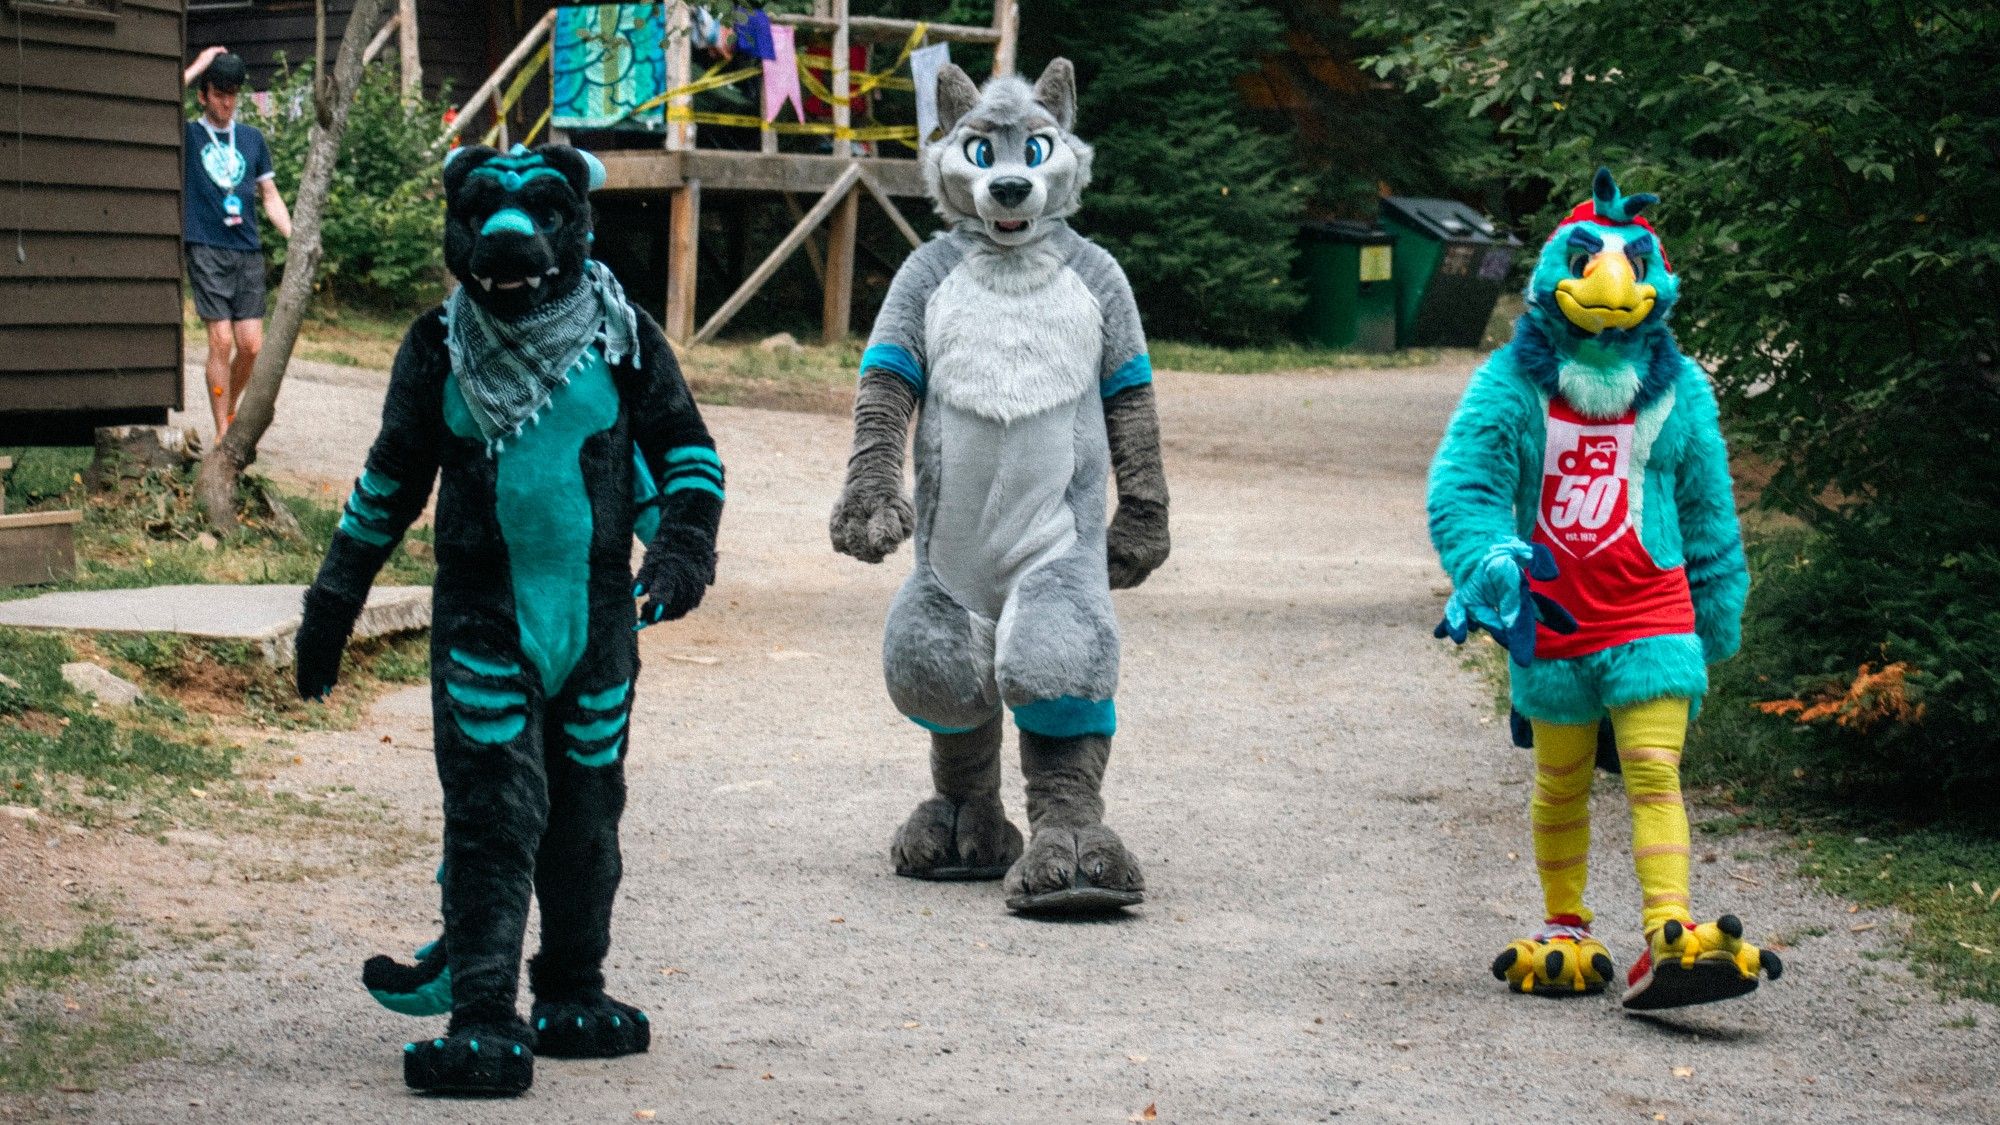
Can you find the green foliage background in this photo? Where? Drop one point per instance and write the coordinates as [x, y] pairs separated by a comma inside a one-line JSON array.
[[1828, 175], [383, 230]]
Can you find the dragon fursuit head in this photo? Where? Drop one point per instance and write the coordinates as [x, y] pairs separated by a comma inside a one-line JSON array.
[[1016, 345], [1581, 503], [553, 419]]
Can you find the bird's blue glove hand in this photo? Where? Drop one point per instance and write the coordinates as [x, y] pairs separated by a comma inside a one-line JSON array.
[[1497, 598]]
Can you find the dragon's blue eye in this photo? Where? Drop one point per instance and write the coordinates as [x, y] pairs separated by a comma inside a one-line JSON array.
[[1038, 150], [979, 150]]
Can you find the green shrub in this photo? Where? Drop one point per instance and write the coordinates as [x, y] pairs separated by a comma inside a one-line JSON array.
[[383, 228]]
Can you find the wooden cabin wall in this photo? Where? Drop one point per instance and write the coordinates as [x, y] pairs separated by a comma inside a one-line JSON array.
[[90, 323]]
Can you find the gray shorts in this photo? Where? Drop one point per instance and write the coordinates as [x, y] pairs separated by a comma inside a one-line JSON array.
[[228, 284]]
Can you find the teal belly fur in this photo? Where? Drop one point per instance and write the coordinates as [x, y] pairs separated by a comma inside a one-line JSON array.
[[545, 515]]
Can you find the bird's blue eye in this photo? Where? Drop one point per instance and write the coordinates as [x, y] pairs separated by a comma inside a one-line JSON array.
[[1038, 150], [1577, 263], [979, 150], [1639, 269]]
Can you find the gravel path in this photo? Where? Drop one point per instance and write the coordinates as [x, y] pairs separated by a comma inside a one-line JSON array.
[[1328, 814]]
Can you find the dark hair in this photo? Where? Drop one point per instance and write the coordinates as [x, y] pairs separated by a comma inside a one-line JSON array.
[[226, 73]]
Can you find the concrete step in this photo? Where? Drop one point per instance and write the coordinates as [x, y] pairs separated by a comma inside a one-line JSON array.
[[265, 615]]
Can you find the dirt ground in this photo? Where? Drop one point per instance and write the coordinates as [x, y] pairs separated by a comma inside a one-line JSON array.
[[1332, 821]]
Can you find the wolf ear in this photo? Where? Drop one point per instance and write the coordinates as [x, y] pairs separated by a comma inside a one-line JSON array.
[[956, 95], [1056, 90]]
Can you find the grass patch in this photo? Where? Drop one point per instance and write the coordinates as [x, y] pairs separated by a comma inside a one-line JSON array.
[[1173, 355], [350, 335], [60, 1028], [1947, 883], [811, 379]]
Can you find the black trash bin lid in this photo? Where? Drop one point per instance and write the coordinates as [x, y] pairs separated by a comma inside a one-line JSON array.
[[1347, 231], [1445, 219]]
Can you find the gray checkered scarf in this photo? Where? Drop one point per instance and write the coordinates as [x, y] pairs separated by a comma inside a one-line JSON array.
[[507, 369]]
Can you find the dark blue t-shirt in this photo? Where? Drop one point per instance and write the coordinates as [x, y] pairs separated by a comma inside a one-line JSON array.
[[213, 175]]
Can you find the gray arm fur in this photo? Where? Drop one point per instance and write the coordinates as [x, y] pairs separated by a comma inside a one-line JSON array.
[[873, 517], [1137, 541]]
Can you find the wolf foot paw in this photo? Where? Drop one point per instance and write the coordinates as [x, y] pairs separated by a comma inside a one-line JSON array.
[[1698, 964], [476, 1061], [1557, 960], [947, 841], [1075, 871], [591, 1026]]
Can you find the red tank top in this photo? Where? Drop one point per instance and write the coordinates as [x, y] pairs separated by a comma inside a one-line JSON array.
[[1607, 579]]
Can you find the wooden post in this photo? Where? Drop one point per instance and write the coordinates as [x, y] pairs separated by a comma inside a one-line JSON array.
[[680, 71], [812, 244], [406, 39], [683, 262], [842, 189], [842, 114], [1006, 21], [840, 267]]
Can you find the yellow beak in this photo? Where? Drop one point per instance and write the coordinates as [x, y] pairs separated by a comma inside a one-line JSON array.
[[1606, 296]]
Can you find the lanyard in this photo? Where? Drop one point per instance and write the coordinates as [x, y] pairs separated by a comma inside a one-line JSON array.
[[235, 158]]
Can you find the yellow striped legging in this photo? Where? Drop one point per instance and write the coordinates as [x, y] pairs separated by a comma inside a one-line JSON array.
[[1650, 736]]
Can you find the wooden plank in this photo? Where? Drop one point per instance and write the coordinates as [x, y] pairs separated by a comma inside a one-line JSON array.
[[89, 390], [47, 160], [50, 67], [45, 301], [683, 258], [635, 170], [96, 348], [130, 257], [137, 31], [92, 117], [889, 205], [35, 553], [90, 210], [838, 308], [41, 519], [880, 29], [777, 257]]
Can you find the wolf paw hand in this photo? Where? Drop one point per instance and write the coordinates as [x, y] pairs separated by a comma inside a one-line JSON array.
[[321, 639], [674, 576], [1565, 962], [1136, 543], [870, 525]]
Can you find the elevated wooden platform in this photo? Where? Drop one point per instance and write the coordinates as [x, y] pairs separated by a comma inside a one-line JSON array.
[[651, 170]]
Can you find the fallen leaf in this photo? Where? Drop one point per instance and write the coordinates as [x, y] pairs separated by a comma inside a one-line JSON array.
[[1683, 1072], [912, 1026], [1854, 908], [980, 945], [837, 920], [702, 660], [767, 1076], [644, 1114], [1744, 878], [1659, 1117], [70, 1005], [1136, 1058], [671, 970], [1861, 928], [1150, 1113], [1400, 1044], [386, 740], [1513, 855]]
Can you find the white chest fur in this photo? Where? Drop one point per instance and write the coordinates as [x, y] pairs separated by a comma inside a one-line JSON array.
[[1012, 333]]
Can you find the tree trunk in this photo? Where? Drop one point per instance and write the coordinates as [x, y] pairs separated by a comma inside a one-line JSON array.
[[223, 468]]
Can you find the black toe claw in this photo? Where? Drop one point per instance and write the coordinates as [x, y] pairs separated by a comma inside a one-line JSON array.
[[1672, 931], [1602, 965], [1730, 924], [1554, 963], [1504, 962], [1774, 966]]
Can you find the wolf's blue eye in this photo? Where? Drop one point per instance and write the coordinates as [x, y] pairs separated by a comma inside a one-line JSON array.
[[979, 150], [1038, 150]]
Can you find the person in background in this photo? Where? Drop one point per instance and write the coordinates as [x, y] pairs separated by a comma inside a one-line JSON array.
[[225, 259]]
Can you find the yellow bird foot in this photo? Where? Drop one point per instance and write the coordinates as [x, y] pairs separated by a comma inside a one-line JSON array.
[[1557, 960], [1697, 964]]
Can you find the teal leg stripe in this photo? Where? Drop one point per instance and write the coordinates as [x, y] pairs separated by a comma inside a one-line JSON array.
[[356, 529], [1067, 717], [683, 483], [692, 453], [605, 700], [377, 485], [491, 731], [603, 757], [489, 699], [360, 505], [936, 728], [597, 731], [483, 666]]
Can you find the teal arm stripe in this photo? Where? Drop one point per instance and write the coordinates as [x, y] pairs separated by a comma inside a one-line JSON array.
[[683, 483], [713, 472], [378, 486], [359, 504], [897, 359], [1134, 372], [682, 453]]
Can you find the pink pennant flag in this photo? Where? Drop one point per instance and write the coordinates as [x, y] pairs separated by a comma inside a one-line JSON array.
[[781, 75]]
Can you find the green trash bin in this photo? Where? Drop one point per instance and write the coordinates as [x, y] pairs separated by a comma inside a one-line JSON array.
[[1451, 264], [1350, 287]]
